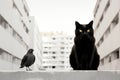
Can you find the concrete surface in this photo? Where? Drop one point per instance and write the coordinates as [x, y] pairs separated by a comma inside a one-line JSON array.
[[72, 75]]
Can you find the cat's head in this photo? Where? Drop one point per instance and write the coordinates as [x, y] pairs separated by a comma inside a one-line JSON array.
[[86, 29]]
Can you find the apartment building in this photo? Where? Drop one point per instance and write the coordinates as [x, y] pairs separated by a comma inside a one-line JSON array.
[[107, 30], [56, 48], [14, 33]]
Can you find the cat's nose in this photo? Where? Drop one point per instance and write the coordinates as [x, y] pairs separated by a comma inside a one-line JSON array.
[[85, 33]]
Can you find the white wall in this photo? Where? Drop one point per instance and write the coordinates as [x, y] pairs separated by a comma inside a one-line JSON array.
[[35, 43], [12, 11], [112, 41]]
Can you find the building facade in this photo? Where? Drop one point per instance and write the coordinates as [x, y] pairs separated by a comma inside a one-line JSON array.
[[14, 33], [35, 43], [107, 30], [56, 48]]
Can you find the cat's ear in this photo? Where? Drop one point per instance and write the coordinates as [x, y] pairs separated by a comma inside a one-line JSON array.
[[77, 24], [90, 23]]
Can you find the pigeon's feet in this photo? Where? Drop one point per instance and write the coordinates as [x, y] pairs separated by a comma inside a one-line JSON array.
[[28, 69]]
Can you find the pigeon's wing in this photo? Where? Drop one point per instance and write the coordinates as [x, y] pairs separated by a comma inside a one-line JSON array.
[[24, 60], [34, 59]]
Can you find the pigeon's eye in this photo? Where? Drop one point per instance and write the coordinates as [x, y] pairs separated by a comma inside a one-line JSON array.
[[88, 30], [80, 30]]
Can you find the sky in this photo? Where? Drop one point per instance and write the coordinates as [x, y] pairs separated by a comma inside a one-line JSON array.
[[60, 15]]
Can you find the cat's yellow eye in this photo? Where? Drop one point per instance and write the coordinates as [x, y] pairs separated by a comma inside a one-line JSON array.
[[88, 30], [80, 30]]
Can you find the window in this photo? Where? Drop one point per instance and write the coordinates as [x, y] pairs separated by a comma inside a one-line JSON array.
[[9, 29], [9, 57], [100, 42], [115, 54], [45, 52], [109, 58], [53, 38], [107, 6], [45, 66], [3, 23], [53, 52], [96, 10], [62, 52], [53, 66], [1, 19], [16, 9], [25, 27], [62, 62], [62, 48], [45, 47], [115, 20], [97, 26], [26, 11], [101, 18], [30, 21], [54, 57], [112, 25], [107, 32], [70, 38], [102, 61], [106, 59]]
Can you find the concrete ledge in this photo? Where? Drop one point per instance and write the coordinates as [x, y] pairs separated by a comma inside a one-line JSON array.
[[72, 75]]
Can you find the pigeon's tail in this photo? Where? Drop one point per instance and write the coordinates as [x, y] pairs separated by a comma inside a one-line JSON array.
[[21, 66]]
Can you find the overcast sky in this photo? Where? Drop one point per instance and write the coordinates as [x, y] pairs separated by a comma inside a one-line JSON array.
[[60, 15]]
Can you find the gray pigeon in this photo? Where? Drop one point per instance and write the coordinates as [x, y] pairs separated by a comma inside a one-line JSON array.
[[28, 60]]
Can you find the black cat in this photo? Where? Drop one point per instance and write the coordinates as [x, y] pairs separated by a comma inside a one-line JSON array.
[[84, 55]]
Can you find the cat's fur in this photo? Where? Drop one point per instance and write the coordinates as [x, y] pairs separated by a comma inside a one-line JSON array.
[[84, 55]]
